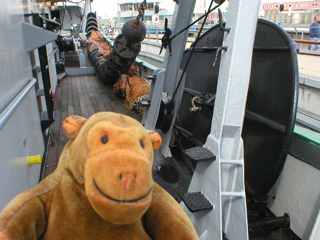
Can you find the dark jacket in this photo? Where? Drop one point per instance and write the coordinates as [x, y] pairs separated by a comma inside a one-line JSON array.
[[315, 32]]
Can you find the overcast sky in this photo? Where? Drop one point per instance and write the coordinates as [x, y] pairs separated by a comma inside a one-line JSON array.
[[109, 7]]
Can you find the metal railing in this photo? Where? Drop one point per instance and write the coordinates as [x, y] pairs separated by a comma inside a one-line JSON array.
[[300, 34], [14, 104], [157, 34]]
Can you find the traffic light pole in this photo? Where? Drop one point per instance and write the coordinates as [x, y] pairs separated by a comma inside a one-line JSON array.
[[281, 8], [280, 18]]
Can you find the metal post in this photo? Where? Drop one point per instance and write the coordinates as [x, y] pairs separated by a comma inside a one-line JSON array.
[[280, 18], [118, 14], [168, 79], [85, 12], [222, 181], [183, 16], [45, 123]]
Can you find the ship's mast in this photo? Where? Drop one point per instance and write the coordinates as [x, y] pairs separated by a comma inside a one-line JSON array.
[[86, 9], [118, 13]]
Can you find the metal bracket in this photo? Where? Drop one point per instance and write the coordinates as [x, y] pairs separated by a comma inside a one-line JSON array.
[[166, 39], [40, 92], [222, 27], [35, 37], [45, 121], [225, 48], [36, 68]]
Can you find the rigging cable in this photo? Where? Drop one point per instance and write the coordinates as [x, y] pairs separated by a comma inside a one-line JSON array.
[[194, 22], [62, 22], [83, 15]]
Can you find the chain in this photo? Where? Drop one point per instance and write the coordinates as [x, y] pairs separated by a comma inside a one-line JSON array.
[[141, 10]]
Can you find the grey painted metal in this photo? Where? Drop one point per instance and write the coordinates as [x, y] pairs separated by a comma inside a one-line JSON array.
[[82, 59], [52, 49], [21, 135], [305, 151], [222, 181], [168, 79], [71, 17], [36, 60], [86, 9], [149, 63], [35, 37], [15, 62], [149, 67], [74, 71], [166, 137], [150, 116], [310, 81], [9, 110], [37, 68], [308, 119], [148, 55], [51, 54], [156, 44], [182, 16]]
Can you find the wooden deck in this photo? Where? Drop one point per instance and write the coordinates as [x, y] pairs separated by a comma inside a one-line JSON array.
[[83, 96]]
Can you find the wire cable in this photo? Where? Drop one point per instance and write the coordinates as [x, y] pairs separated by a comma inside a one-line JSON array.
[[62, 22], [193, 48], [194, 22]]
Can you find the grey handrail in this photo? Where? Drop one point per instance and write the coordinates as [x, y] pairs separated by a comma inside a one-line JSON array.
[[14, 104]]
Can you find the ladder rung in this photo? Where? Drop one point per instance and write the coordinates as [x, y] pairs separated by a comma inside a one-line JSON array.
[[237, 162], [196, 202], [233, 194]]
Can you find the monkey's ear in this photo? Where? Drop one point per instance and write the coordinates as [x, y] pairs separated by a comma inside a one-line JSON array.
[[72, 125], [155, 139]]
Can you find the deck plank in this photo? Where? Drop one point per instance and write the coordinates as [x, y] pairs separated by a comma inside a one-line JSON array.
[[76, 101]]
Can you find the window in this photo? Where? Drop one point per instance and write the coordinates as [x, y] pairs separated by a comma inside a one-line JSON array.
[[150, 6]]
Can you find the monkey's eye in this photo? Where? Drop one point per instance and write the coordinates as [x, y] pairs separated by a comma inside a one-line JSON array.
[[141, 143], [104, 139]]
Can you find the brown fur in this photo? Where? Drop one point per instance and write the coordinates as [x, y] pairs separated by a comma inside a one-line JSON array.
[[75, 202]]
